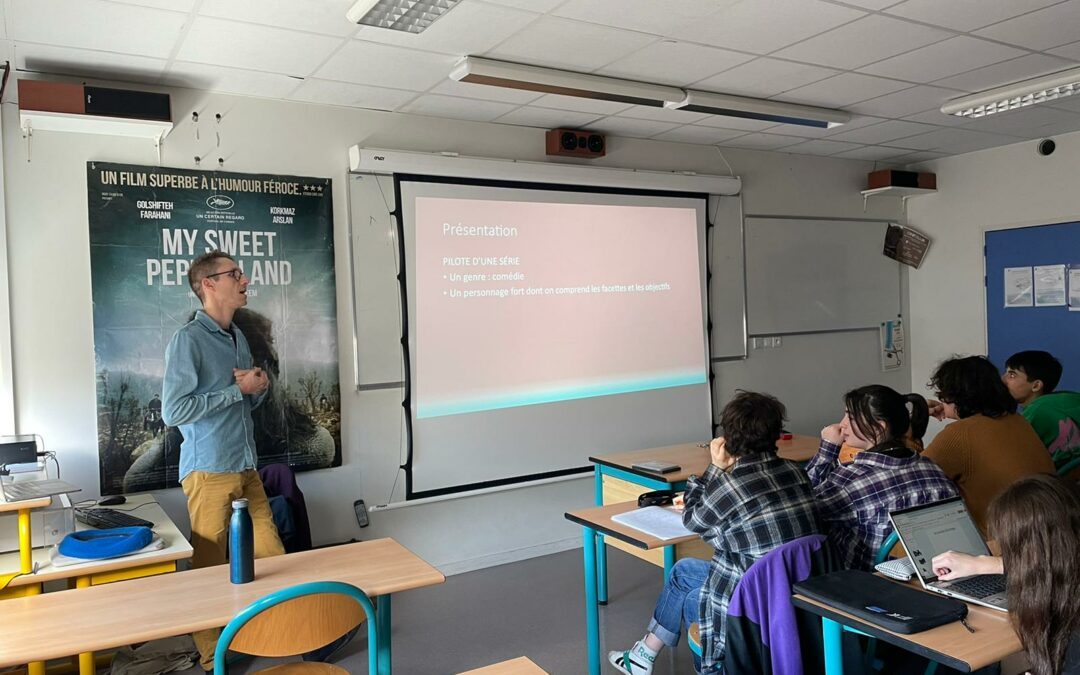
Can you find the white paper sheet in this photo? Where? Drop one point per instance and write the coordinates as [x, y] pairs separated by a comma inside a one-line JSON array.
[[1074, 289], [1018, 287], [658, 521], [1049, 285]]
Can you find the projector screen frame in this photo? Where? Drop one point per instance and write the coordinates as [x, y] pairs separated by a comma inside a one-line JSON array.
[[396, 214]]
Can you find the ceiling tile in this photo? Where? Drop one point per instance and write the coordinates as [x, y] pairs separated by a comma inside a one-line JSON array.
[[936, 117], [942, 59], [856, 122], [386, 66], [484, 92], [952, 141], [579, 104], [316, 16], [532, 5], [644, 112], [1039, 30], [739, 123], [875, 153], [1027, 122], [821, 147], [965, 15], [1007, 72], [921, 156], [229, 80], [674, 63], [624, 126], [436, 105], [546, 118], [764, 77], [1070, 51], [174, 5], [872, 4], [842, 90], [83, 63], [692, 133], [884, 131], [763, 26], [354, 95], [905, 102], [469, 28], [647, 16], [244, 45], [571, 45], [127, 29], [762, 141], [864, 41]]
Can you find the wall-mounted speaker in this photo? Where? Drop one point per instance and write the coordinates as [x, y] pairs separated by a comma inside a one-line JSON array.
[[575, 143]]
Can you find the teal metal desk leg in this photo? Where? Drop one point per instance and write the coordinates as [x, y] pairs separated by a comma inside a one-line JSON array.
[[669, 561], [831, 633], [382, 623], [592, 610], [601, 547]]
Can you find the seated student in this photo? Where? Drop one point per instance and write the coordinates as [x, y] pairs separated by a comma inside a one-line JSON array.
[[854, 499], [1036, 521], [912, 437], [1032, 378], [990, 447], [746, 503]]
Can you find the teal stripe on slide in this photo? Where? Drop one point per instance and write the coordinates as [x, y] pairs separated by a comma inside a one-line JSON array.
[[556, 395]]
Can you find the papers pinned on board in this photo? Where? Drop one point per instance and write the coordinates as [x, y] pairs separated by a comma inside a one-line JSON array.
[[657, 521]]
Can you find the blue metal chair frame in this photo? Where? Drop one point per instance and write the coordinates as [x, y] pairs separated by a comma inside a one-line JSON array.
[[1069, 467], [291, 593]]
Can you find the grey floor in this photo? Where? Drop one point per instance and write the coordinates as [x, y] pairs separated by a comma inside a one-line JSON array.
[[534, 608]]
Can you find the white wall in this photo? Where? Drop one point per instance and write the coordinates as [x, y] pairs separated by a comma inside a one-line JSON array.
[[1010, 186], [49, 265]]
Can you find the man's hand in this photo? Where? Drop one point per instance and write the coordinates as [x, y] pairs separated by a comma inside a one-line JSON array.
[[832, 434], [937, 409], [720, 457], [252, 381]]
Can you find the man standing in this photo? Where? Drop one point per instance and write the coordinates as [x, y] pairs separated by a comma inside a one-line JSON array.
[[210, 389]]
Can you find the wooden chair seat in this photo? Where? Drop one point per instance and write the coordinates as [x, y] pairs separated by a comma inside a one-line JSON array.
[[519, 666], [303, 668]]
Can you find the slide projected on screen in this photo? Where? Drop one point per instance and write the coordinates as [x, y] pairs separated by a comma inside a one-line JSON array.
[[543, 302], [549, 325]]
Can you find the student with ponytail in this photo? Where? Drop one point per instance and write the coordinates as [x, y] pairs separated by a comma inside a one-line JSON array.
[[854, 499]]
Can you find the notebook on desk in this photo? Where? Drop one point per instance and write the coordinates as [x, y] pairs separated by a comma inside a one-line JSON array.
[[657, 521], [17, 491]]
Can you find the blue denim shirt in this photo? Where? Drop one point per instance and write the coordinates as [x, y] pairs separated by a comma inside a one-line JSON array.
[[200, 395]]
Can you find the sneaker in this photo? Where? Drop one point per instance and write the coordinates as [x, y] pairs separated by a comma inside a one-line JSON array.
[[632, 662]]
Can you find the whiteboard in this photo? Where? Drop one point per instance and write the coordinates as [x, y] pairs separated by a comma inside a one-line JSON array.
[[806, 275]]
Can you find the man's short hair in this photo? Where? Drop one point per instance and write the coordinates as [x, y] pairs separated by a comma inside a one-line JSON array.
[[751, 423], [974, 385], [1037, 365], [202, 267]]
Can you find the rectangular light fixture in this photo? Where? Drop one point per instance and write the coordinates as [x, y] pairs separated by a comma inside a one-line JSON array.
[[411, 16], [759, 109], [566, 83], [1019, 95]]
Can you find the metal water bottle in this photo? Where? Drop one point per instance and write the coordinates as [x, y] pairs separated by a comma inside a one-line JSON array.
[[241, 544]]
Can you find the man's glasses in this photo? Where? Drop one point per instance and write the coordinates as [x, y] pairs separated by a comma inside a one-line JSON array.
[[236, 273]]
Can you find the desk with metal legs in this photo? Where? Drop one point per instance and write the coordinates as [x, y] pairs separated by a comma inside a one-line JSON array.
[[595, 521]]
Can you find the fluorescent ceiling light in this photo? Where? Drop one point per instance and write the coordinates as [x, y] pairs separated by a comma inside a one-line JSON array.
[[759, 109], [411, 16], [1019, 95], [547, 80]]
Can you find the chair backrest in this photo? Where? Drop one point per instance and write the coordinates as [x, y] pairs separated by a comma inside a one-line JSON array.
[[886, 547], [296, 620], [1069, 467]]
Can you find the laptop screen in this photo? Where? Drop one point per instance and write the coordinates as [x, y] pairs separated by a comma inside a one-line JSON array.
[[935, 528]]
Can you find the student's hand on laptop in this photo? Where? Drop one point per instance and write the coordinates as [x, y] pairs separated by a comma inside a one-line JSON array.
[[953, 565], [720, 457], [832, 434]]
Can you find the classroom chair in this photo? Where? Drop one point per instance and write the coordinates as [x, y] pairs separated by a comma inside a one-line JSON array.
[[296, 620], [1069, 467]]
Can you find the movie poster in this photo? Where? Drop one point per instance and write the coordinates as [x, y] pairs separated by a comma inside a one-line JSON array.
[[146, 225]]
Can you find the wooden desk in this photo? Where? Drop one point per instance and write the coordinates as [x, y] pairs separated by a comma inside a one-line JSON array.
[[54, 625], [593, 521], [519, 666], [616, 480], [950, 644]]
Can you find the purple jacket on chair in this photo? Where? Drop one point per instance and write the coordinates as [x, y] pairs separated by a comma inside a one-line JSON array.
[[279, 479]]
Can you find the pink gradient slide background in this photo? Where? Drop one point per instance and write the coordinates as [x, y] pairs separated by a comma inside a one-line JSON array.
[[530, 348]]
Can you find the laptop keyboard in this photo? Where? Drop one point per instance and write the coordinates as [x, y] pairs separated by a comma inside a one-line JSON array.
[[106, 519], [981, 586]]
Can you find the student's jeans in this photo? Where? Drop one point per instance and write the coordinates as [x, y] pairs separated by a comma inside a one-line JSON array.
[[678, 604]]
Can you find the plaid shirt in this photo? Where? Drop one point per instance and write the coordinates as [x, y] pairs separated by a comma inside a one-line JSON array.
[[764, 501], [854, 499]]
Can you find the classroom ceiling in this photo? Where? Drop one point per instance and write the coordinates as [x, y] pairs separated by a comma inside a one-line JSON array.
[[891, 64]]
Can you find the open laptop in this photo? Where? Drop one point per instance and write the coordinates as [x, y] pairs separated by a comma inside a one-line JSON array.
[[932, 529]]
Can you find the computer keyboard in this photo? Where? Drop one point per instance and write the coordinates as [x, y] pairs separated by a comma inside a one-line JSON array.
[[981, 586], [105, 519]]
